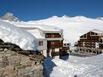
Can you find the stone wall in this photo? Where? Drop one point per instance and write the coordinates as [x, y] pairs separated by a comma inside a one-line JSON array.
[[13, 64]]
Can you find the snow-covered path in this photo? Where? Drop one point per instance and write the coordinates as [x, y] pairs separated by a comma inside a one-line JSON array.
[[75, 66]]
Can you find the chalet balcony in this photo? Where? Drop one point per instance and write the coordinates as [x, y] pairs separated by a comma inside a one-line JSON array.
[[54, 44], [53, 36]]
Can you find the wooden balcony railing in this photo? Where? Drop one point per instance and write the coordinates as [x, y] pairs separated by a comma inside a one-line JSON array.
[[55, 44], [52, 35]]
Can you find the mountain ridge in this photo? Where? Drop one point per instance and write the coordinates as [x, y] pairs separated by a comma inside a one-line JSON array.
[[72, 27]]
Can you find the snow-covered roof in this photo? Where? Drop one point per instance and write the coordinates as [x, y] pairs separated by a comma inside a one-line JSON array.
[[65, 41], [13, 34], [97, 31], [48, 28], [38, 26], [36, 33]]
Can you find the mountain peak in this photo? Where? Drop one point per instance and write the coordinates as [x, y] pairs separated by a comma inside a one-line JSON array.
[[9, 16], [65, 17]]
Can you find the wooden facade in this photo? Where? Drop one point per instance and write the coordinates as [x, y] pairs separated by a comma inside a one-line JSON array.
[[55, 44], [55, 41], [89, 41]]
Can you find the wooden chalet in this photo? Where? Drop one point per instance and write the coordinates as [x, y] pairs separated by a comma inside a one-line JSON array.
[[50, 40], [91, 42], [54, 39]]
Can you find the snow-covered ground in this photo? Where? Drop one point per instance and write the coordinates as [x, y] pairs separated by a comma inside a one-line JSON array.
[[75, 67]]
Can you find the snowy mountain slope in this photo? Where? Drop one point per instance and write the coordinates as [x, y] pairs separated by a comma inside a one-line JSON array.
[[73, 26], [10, 33]]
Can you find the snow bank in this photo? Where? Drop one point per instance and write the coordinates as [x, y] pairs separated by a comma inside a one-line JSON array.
[[10, 33]]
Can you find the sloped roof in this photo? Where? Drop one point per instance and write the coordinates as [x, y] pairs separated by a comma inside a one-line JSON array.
[[38, 26], [97, 31], [36, 33]]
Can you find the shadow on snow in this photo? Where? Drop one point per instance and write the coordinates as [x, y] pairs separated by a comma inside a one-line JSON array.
[[48, 66]]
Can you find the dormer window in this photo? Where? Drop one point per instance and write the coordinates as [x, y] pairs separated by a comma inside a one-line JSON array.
[[83, 36], [92, 33]]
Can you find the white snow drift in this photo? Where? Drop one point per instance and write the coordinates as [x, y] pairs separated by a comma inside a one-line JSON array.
[[10, 33]]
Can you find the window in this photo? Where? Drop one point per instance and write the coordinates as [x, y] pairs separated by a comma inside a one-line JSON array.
[[68, 44], [52, 36], [64, 44], [83, 43], [83, 36], [101, 40], [40, 43], [92, 33], [52, 43]]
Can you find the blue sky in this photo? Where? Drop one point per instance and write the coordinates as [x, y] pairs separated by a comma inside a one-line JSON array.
[[40, 9]]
